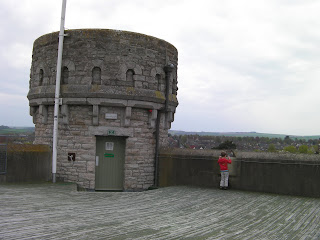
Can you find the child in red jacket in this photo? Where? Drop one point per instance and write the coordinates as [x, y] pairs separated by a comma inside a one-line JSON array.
[[223, 161]]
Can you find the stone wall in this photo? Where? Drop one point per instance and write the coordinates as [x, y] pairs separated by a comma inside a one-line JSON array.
[[113, 53], [291, 174], [79, 137]]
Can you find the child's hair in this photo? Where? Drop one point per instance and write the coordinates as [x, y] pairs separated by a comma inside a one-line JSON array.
[[223, 154]]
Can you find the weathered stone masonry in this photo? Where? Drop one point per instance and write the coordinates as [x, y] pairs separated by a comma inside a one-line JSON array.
[[104, 72]]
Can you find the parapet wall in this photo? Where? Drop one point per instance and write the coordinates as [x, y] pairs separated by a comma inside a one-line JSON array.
[[27, 163], [290, 174]]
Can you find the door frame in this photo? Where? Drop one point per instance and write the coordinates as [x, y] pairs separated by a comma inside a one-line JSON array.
[[103, 139]]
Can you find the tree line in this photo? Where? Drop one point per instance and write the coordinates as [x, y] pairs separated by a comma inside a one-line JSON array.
[[287, 144]]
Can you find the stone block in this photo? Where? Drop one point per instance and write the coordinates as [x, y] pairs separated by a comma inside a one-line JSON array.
[[87, 146], [63, 143], [91, 166], [132, 166], [92, 184], [150, 178], [140, 78], [138, 84], [87, 176], [86, 157]]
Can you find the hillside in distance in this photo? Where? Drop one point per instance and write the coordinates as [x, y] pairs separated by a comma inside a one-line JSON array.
[[242, 134], [5, 130]]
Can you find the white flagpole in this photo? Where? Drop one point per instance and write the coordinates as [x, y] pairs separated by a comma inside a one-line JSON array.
[[57, 93]]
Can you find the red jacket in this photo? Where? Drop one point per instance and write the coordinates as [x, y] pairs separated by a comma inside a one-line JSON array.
[[223, 162]]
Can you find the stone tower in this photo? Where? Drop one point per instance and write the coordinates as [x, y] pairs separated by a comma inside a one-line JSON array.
[[118, 98]]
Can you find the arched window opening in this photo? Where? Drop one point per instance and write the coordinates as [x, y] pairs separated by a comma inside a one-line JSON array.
[[65, 75], [129, 75], [40, 77], [96, 75], [158, 81]]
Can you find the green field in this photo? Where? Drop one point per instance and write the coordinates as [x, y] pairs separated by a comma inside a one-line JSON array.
[[16, 130], [242, 134]]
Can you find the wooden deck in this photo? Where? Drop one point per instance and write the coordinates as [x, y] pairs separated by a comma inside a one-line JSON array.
[[58, 211]]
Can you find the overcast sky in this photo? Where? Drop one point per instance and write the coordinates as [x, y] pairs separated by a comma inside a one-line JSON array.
[[248, 65]]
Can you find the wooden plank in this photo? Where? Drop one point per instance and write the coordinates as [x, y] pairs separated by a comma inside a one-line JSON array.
[[58, 211]]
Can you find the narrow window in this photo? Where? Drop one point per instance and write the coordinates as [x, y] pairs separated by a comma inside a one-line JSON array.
[[130, 74], [96, 75], [129, 77], [158, 81], [65, 75], [40, 77]]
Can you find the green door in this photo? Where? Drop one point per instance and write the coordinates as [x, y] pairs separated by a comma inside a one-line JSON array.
[[110, 153]]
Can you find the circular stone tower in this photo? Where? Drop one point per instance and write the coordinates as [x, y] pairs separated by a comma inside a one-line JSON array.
[[118, 98]]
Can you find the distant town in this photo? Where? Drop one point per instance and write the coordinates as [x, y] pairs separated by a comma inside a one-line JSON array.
[[242, 141]]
